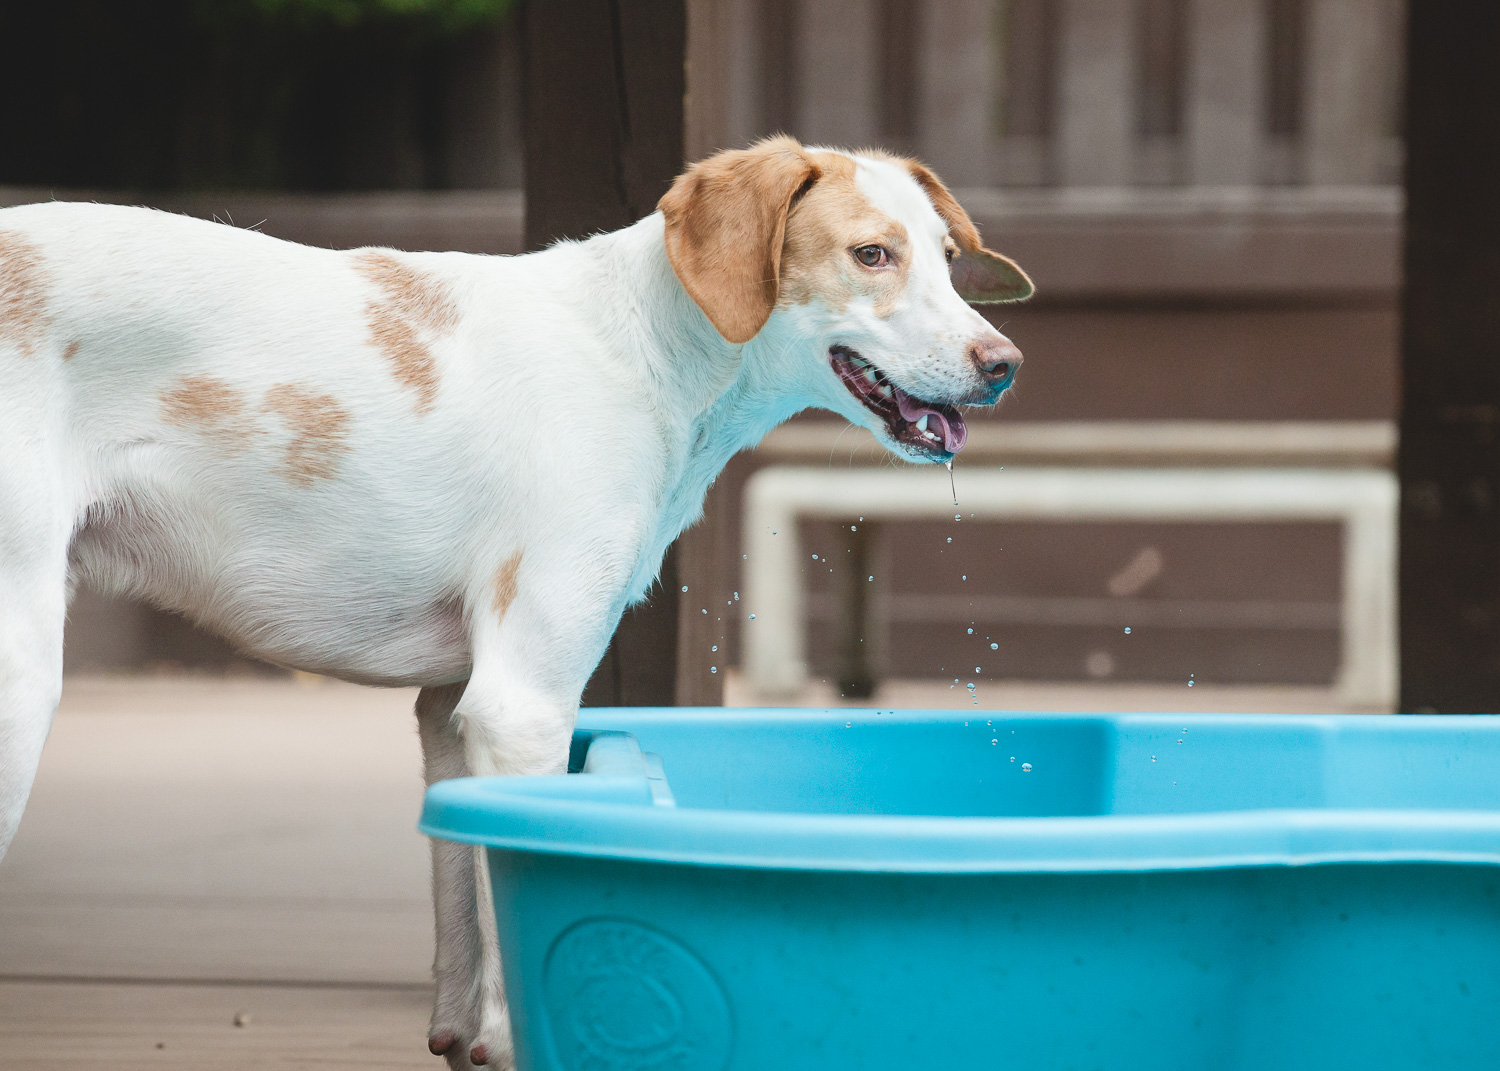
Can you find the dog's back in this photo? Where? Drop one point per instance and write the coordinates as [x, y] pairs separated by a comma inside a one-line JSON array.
[[230, 418]]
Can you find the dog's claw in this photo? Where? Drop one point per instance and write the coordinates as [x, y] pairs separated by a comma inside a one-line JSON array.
[[479, 1055], [439, 1044]]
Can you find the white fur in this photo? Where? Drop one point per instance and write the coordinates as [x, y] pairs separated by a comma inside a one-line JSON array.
[[584, 405]]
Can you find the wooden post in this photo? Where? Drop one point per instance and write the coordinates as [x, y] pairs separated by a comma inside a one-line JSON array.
[[1348, 68], [957, 93], [1096, 102], [1225, 88], [602, 119], [1449, 457], [737, 29], [837, 72], [702, 562], [855, 624], [1025, 35]]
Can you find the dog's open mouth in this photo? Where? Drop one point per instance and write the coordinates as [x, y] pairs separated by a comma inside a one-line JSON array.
[[929, 427]]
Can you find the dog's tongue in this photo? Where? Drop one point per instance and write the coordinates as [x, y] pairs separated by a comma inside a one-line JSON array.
[[950, 426]]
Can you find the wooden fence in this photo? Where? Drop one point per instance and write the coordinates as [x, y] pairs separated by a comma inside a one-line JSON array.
[[1083, 92]]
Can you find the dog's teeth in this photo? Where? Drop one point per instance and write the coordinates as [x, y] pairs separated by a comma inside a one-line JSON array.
[[870, 376], [884, 390], [922, 424]]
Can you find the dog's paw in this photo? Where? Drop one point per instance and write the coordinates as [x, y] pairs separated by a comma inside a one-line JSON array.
[[484, 1050]]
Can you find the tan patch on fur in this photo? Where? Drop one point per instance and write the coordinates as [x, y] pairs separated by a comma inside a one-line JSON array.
[[23, 298], [71, 351], [979, 274], [831, 219], [726, 220], [210, 406], [320, 431], [505, 584], [413, 309]]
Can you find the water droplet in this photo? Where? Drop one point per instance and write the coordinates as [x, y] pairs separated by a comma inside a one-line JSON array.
[[752, 617], [869, 578], [773, 531], [965, 576], [978, 670], [815, 557], [684, 587], [1012, 758], [848, 725], [950, 539], [1179, 741], [705, 609], [1190, 684], [713, 669], [1127, 630], [715, 647], [745, 557], [994, 647], [1153, 758], [955, 680], [1025, 767], [971, 632], [970, 686], [993, 742], [736, 596], [958, 516]]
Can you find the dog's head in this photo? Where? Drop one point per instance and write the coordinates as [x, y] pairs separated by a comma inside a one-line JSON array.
[[871, 262]]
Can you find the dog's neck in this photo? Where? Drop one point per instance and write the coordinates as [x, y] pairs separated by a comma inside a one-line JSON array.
[[711, 398]]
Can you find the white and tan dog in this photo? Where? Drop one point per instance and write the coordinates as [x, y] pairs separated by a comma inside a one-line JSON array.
[[447, 470]]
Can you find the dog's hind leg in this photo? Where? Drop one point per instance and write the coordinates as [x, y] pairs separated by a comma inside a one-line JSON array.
[[466, 963], [35, 525]]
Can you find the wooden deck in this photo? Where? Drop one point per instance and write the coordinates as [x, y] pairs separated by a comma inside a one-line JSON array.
[[199, 850], [126, 1026]]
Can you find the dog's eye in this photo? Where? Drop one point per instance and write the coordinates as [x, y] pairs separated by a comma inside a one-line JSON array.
[[949, 254], [872, 256]]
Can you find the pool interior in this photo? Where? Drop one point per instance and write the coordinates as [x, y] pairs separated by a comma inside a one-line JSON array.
[[1041, 765]]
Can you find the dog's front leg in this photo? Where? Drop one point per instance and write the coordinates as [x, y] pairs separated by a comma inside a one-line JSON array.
[[496, 724]]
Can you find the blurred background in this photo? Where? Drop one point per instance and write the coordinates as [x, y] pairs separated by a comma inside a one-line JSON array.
[[1187, 502], [1205, 191]]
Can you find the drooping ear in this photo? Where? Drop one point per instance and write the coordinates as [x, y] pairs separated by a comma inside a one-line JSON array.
[[726, 220], [980, 275]]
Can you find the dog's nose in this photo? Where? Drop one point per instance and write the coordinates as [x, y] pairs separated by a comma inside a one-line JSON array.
[[997, 359]]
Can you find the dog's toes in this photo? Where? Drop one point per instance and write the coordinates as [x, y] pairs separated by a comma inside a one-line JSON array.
[[479, 1055], [441, 1042]]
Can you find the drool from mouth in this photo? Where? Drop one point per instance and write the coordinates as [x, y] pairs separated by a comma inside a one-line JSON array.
[[931, 428]]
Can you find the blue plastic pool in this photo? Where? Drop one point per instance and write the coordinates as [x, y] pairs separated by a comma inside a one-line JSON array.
[[789, 890]]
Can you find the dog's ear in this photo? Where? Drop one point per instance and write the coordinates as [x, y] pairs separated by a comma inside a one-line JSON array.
[[726, 220], [980, 275]]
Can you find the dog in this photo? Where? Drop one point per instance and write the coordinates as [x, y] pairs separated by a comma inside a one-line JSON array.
[[446, 470]]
